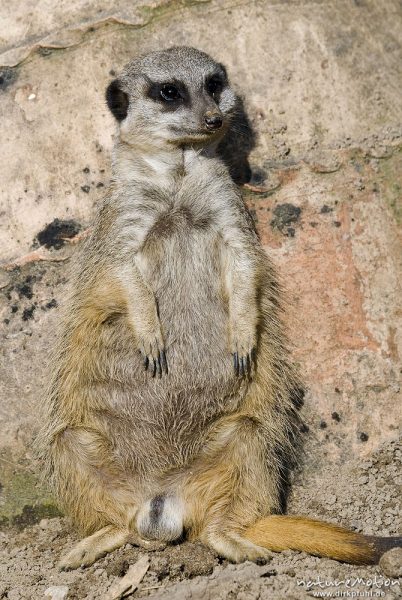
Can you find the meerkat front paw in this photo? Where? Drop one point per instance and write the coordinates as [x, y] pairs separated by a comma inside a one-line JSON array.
[[152, 348]]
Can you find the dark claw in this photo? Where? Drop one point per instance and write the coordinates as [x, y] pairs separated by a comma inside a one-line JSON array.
[[242, 370], [154, 369], [252, 359], [236, 362], [243, 365], [164, 362], [146, 363], [159, 365]]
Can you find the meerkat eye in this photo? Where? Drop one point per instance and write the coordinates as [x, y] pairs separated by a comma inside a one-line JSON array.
[[214, 86], [169, 93]]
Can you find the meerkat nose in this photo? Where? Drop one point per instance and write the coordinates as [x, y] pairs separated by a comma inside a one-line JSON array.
[[213, 121]]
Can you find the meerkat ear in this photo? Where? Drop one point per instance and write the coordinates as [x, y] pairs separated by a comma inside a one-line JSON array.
[[117, 100]]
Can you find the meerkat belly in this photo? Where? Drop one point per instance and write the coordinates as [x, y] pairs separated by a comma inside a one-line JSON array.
[[163, 421], [186, 277]]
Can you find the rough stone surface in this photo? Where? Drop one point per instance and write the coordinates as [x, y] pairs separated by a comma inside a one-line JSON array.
[[321, 82]]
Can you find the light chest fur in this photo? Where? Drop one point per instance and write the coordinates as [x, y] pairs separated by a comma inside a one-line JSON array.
[[169, 218]]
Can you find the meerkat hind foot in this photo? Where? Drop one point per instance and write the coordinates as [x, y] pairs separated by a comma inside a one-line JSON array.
[[91, 548], [237, 549]]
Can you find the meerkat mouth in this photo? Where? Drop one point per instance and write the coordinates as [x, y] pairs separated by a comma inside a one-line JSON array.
[[196, 135], [193, 132]]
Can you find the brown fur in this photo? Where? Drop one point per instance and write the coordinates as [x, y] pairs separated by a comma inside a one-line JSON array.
[[173, 263]]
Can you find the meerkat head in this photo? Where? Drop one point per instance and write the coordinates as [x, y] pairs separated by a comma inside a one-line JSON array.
[[178, 96]]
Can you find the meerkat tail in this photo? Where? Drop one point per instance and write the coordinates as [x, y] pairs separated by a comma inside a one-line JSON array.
[[280, 532]]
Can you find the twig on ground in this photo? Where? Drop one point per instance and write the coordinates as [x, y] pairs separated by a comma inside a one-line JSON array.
[[40, 254], [43, 254], [79, 237], [129, 583], [256, 188]]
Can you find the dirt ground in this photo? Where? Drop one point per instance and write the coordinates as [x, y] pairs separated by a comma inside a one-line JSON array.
[[321, 83]]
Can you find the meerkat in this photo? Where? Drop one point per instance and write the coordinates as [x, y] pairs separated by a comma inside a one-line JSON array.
[[172, 409]]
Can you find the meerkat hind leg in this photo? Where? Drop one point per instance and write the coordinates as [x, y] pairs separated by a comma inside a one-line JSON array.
[[225, 493], [88, 550]]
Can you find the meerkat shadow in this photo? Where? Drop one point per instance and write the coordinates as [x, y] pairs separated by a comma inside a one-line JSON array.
[[237, 144], [291, 463]]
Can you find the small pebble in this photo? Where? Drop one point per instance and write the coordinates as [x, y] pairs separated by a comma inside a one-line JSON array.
[[391, 563], [363, 479], [57, 592]]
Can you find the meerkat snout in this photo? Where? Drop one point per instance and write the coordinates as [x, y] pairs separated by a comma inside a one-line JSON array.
[[178, 96], [213, 120]]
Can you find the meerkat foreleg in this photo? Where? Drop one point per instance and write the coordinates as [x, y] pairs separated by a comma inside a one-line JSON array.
[[240, 281], [142, 312], [126, 291], [243, 323]]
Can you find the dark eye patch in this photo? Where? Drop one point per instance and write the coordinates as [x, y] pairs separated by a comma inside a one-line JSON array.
[[170, 94]]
